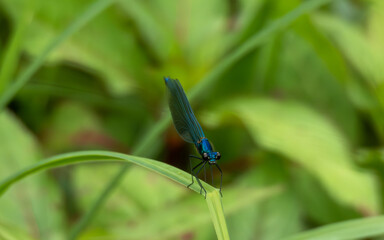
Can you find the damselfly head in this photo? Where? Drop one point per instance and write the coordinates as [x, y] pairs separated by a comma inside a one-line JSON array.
[[216, 156], [212, 157]]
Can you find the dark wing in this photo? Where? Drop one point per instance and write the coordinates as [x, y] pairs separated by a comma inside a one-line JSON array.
[[183, 118]]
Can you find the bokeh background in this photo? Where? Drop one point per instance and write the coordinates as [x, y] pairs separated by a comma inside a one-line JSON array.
[[298, 117]]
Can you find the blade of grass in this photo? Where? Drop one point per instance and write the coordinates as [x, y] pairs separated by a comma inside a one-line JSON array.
[[216, 210], [205, 83], [164, 169], [353, 229], [91, 156], [10, 57], [26, 75], [214, 200]]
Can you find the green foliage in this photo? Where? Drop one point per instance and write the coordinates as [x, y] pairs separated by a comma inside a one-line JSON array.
[[290, 92], [305, 137]]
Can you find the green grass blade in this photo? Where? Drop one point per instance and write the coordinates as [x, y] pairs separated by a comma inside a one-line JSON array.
[[169, 171], [216, 210], [91, 156], [11, 55], [26, 75], [353, 229], [205, 83]]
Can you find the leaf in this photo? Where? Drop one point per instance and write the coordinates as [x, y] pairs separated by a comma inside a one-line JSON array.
[[353, 229], [305, 137]]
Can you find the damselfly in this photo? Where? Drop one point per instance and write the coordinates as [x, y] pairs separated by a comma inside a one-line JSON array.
[[190, 130]]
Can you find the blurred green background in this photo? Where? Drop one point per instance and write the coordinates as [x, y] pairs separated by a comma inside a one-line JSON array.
[[298, 117]]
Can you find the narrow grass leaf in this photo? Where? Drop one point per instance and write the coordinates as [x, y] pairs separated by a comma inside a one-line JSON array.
[[12, 52], [215, 207], [92, 156]]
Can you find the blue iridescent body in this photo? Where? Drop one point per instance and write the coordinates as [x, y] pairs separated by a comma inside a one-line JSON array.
[[189, 128]]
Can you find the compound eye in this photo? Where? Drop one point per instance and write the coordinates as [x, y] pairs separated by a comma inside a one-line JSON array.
[[218, 156], [205, 156]]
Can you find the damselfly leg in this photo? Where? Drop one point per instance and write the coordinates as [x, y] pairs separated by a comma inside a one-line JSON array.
[[193, 156], [198, 180], [221, 178], [205, 175], [210, 167], [192, 170], [196, 174]]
